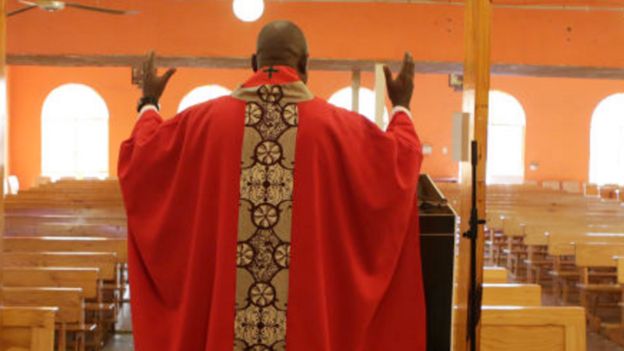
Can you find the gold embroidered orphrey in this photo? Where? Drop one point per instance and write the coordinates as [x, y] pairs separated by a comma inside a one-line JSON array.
[[264, 227]]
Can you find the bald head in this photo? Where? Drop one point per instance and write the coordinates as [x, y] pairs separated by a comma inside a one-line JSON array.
[[282, 43]]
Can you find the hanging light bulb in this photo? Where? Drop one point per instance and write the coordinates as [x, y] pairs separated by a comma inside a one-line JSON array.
[[248, 10]]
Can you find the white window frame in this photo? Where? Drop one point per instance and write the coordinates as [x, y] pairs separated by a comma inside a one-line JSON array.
[[202, 94], [367, 101], [607, 141], [502, 119], [75, 106]]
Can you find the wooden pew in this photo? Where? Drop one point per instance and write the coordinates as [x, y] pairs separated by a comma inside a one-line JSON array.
[[571, 187], [515, 251], [538, 262], [70, 316], [563, 243], [67, 244], [60, 277], [507, 328], [561, 246], [27, 328], [109, 298], [617, 334], [620, 279], [495, 275], [118, 246], [591, 190], [596, 282], [105, 261], [68, 222], [97, 310], [512, 295], [108, 229], [620, 269], [67, 209]]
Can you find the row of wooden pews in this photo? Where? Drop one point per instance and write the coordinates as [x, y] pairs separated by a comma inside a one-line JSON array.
[[514, 319], [67, 208], [563, 241], [75, 275]]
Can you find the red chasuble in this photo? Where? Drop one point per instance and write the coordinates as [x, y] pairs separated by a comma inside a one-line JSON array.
[[271, 220]]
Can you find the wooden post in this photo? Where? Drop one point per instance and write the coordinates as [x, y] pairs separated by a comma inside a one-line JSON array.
[[380, 95], [356, 82], [3, 133], [477, 29]]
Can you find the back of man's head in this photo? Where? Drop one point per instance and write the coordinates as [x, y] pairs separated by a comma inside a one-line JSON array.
[[282, 43]]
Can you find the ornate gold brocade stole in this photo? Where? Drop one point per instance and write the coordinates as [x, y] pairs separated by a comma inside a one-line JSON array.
[[264, 224]]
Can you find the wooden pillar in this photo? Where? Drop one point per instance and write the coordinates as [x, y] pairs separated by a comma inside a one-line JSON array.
[[356, 82], [477, 27], [3, 132], [380, 95]]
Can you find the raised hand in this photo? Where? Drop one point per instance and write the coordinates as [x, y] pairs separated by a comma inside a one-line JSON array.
[[400, 90], [153, 86]]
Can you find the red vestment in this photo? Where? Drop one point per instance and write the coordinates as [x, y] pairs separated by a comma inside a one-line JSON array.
[[348, 254]]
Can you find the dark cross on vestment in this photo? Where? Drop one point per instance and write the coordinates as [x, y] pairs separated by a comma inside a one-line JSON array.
[[270, 71]]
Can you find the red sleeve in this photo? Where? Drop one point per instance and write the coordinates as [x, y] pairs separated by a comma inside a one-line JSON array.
[[146, 170], [145, 127], [150, 156], [387, 163], [409, 150]]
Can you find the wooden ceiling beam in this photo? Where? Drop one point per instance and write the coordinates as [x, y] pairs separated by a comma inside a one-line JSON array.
[[614, 73]]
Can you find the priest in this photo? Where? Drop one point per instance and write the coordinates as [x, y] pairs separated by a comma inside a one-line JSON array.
[[272, 220]]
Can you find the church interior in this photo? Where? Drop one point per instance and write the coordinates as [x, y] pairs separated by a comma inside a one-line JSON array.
[[540, 84]]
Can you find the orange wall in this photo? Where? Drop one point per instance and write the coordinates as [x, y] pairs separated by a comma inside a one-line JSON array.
[[558, 110], [334, 30], [558, 113], [28, 87]]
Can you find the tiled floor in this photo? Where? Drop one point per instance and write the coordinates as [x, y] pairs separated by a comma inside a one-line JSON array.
[[121, 342], [597, 342]]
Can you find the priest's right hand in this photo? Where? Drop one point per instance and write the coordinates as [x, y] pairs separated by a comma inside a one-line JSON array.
[[153, 86], [400, 90]]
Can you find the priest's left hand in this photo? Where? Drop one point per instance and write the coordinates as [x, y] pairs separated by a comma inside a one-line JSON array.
[[153, 86]]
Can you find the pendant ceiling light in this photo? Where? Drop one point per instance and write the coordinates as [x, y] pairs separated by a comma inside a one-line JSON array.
[[248, 10]]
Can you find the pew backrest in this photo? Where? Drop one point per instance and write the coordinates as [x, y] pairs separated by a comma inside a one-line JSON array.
[[495, 275], [620, 269], [27, 328], [512, 295], [562, 244], [69, 301], [106, 262], [507, 328], [67, 244], [597, 254], [84, 278]]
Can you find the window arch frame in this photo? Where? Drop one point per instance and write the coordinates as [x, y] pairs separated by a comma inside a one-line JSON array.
[[346, 96], [63, 107], [605, 117], [496, 120], [201, 94]]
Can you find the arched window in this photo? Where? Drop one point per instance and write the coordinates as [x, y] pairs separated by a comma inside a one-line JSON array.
[[74, 131], [202, 94], [343, 98], [606, 158], [506, 127]]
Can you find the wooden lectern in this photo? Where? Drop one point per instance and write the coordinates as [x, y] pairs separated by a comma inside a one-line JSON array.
[[437, 240]]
